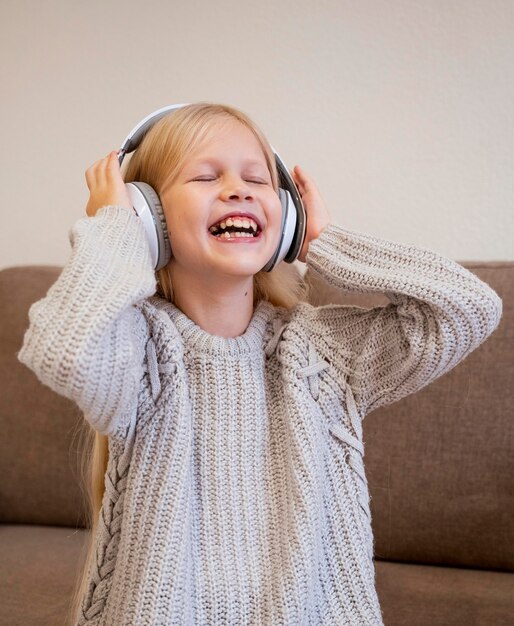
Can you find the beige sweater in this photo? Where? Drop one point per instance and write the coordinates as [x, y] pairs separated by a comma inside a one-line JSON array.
[[235, 492]]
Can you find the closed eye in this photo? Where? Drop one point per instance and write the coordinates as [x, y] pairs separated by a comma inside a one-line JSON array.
[[258, 182]]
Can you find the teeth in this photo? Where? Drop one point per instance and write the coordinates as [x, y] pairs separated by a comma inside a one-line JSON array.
[[227, 235], [238, 223]]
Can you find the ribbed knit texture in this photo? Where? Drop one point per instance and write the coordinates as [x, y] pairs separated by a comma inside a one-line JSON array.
[[235, 490]]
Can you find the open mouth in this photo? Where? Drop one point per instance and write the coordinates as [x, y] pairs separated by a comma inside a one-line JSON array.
[[236, 229]]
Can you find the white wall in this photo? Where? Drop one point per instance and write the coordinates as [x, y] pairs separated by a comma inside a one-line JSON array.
[[401, 110]]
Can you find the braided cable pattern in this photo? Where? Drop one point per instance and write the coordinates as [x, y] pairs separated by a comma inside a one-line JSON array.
[[310, 371], [154, 368], [355, 456], [107, 540]]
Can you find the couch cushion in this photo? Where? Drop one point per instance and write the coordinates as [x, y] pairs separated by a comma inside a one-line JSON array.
[[38, 570], [41, 431], [440, 463], [427, 595]]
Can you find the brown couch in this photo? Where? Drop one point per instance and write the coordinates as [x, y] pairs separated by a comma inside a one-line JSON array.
[[440, 467]]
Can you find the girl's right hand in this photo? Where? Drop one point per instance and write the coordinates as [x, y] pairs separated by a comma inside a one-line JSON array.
[[106, 185]]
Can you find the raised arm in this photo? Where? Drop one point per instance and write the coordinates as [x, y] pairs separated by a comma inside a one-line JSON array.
[[86, 338], [438, 313]]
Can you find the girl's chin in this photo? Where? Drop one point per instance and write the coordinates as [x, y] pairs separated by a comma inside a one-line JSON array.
[[238, 265], [242, 271]]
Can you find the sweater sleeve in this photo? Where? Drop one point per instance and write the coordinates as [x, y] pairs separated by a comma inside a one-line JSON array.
[[86, 338], [438, 313]]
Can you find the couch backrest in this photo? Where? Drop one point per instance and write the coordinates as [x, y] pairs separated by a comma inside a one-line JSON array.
[[41, 431], [440, 463]]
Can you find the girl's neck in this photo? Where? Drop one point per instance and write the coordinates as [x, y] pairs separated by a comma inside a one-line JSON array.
[[221, 311]]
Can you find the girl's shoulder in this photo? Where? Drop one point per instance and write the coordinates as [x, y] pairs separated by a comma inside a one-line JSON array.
[[156, 311], [324, 326], [153, 308], [164, 342], [301, 320], [309, 315]]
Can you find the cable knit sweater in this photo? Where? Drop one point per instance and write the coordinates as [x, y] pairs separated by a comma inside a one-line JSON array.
[[235, 492]]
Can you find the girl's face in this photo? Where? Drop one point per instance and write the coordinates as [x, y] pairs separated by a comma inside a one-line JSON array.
[[226, 175]]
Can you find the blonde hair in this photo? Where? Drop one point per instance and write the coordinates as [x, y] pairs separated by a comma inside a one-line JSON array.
[[157, 161]]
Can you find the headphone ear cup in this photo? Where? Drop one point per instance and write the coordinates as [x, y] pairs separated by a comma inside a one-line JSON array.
[[287, 231], [147, 204], [289, 228]]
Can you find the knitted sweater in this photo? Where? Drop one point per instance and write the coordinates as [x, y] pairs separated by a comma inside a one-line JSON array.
[[235, 492]]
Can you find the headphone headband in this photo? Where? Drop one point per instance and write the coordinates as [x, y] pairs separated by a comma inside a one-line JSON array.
[[135, 137]]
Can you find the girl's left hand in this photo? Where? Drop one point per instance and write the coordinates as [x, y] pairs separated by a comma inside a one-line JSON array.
[[316, 209]]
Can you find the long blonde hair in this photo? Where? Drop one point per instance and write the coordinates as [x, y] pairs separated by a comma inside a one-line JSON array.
[[157, 161]]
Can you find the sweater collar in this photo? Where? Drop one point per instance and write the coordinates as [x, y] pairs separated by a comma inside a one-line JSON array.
[[197, 339]]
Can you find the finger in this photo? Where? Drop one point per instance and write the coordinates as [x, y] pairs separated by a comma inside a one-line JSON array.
[[113, 168], [95, 174], [106, 170], [88, 178], [112, 159], [307, 182], [299, 182], [90, 174], [302, 175]]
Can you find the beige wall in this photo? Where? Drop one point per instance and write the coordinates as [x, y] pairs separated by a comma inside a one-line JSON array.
[[402, 110]]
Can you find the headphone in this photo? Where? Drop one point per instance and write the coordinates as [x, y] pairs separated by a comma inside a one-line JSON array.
[[147, 204]]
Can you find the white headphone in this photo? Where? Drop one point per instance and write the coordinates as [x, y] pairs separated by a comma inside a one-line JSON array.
[[147, 204]]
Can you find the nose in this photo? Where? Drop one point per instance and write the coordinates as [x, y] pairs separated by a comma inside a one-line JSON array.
[[237, 189]]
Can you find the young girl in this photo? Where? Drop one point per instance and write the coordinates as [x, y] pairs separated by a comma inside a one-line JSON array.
[[227, 409]]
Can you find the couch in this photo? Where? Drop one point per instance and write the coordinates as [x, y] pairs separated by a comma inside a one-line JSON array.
[[440, 468]]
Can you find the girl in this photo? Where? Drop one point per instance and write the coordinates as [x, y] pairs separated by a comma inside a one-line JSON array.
[[230, 486]]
